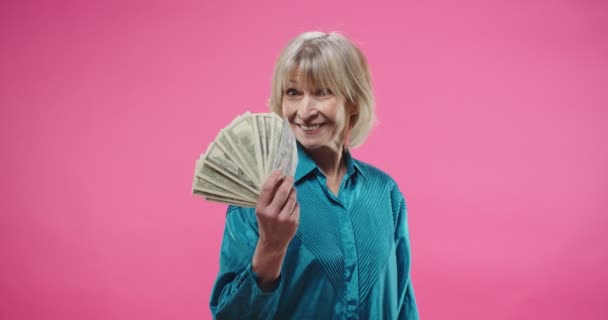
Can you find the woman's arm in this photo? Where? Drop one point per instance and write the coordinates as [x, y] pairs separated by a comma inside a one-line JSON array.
[[236, 293], [278, 216], [408, 309], [248, 285], [266, 263]]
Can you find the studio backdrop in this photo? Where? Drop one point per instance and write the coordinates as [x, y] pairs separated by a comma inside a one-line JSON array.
[[492, 118]]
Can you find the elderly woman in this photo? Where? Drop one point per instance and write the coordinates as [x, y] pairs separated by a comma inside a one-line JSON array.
[[332, 241]]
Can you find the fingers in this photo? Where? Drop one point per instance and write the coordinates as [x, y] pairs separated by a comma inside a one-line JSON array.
[[281, 195], [295, 215], [278, 198], [290, 204], [269, 187]]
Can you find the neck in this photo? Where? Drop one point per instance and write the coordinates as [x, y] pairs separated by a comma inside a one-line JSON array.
[[329, 161]]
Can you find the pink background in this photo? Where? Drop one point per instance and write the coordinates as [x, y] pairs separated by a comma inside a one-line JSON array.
[[492, 118]]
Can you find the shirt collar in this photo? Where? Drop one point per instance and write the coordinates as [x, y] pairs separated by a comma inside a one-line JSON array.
[[306, 165]]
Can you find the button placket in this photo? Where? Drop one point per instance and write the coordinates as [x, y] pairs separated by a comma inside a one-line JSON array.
[[350, 265]]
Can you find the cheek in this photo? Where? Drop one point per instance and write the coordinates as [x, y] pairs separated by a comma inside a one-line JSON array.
[[287, 109], [334, 111], [340, 116]]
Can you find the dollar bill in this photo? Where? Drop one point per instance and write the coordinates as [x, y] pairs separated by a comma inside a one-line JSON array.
[[224, 144], [209, 173], [208, 187], [242, 156], [223, 162], [240, 137], [275, 132], [258, 142], [229, 200], [284, 159], [264, 144], [268, 135]]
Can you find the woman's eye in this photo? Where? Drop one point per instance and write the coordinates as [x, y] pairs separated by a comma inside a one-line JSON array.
[[291, 92], [324, 92]]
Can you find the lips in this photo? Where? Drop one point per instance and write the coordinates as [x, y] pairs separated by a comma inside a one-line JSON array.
[[310, 127]]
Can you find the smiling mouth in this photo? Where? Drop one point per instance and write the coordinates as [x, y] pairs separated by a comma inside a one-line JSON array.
[[311, 127]]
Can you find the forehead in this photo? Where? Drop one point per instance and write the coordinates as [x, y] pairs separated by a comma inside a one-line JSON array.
[[306, 77]]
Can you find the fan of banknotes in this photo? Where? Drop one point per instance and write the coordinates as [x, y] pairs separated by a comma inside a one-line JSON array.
[[242, 156]]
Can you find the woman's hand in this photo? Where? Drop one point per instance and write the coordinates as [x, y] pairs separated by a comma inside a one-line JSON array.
[[278, 214]]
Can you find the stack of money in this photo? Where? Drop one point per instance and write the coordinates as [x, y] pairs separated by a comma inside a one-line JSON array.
[[242, 156]]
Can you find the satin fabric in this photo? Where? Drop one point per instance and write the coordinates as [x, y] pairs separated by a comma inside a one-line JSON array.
[[350, 258]]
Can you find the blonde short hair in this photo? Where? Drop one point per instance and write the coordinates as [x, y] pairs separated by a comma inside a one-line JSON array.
[[328, 60]]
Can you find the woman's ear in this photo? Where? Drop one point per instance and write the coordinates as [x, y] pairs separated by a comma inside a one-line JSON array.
[[351, 109], [353, 114]]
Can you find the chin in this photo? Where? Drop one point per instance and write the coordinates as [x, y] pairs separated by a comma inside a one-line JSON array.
[[316, 144]]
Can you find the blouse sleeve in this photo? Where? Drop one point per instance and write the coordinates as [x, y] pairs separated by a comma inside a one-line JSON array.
[[408, 309], [236, 294]]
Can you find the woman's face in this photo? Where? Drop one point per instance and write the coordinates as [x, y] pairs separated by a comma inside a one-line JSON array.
[[317, 116]]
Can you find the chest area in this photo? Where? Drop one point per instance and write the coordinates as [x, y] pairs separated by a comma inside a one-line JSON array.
[[350, 236]]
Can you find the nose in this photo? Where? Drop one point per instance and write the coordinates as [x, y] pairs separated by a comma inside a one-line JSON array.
[[307, 107]]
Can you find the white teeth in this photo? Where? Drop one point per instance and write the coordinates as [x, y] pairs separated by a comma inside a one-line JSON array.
[[310, 127]]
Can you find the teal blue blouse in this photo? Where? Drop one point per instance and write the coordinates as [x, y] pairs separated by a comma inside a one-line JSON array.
[[350, 258]]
